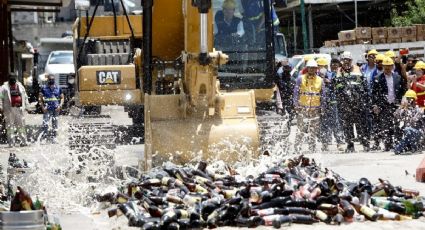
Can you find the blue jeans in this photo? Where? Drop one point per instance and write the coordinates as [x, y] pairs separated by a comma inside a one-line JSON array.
[[409, 141], [331, 125], [50, 114]]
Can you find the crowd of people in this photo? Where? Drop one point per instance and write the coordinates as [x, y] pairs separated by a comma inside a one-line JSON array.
[[382, 101]]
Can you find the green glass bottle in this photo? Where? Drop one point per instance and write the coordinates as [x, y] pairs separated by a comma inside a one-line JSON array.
[[38, 204]]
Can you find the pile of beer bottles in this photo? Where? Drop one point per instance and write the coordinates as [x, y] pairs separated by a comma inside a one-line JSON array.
[[22, 201], [295, 191]]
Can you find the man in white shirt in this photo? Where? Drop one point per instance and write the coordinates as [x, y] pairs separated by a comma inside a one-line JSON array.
[[387, 93], [13, 103]]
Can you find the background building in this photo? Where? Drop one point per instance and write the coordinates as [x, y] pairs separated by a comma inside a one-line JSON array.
[[325, 18]]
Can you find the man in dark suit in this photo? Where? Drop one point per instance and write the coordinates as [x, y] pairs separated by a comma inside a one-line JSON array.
[[386, 96]]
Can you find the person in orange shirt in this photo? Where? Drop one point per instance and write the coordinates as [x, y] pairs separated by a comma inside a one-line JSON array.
[[418, 84]]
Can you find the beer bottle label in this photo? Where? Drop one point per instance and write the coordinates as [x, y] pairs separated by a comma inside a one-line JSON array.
[[218, 176], [380, 192], [387, 215], [170, 213], [219, 183], [367, 211], [154, 181], [201, 180], [188, 199], [268, 220], [165, 180], [213, 215], [325, 206], [321, 215], [201, 189], [266, 212], [26, 205], [411, 192], [257, 189], [178, 182], [315, 193], [403, 217], [121, 200], [229, 193], [174, 199], [254, 197], [271, 176], [184, 214], [134, 189]]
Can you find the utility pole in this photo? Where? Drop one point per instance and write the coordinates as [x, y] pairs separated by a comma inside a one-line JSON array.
[[295, 30], [310, 27], [355, 12], [304, 26]]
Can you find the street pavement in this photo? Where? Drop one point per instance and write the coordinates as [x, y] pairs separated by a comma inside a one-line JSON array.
[[399, 170]]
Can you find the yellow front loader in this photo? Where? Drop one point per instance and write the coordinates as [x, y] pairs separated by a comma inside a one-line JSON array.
[[104, 51]]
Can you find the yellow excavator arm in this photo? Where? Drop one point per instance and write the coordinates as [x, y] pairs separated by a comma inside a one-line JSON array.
[[199, 122]]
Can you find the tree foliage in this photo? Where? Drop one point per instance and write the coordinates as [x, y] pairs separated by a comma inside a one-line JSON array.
[[413, 13]]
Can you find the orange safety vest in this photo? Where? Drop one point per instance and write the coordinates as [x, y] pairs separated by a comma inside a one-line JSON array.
[[310, 92]]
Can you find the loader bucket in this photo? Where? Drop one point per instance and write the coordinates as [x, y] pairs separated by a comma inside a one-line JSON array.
[[231, 134]]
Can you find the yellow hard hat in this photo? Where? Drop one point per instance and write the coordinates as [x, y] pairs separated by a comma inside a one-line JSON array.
[[410, 94], [419, 65], [308, 58], [229, 4], [388, 61], [372, 52], [322, 61], [379, 57], [390, 54]]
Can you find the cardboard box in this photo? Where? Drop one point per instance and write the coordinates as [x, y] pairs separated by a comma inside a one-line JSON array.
[[420, 30], [420, 27], [409, 32], [331, 43], [335, 42], [394, 32], [328, 44], [363, 41], [379, 41], [347, 43], [379, 32], [347, 35], [393, 40], [408, 39], [363, 32], [420, 38]]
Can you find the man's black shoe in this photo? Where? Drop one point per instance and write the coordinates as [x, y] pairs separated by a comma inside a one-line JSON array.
[[350, 148], [375, 147]]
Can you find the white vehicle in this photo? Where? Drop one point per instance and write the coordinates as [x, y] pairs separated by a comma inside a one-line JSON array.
[[47, 46], [61, 65], [359, 51], [280, 47]]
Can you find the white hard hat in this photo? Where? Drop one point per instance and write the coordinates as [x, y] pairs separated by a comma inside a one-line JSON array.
[[346, 55], [311, 63]]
